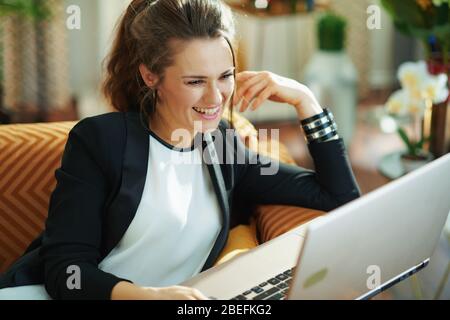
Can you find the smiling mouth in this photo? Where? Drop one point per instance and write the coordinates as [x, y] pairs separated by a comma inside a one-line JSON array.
[[207, 111]]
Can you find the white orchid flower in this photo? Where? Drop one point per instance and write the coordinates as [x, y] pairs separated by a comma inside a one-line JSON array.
[[400, 103], [416, 107], [412, 74], [418, 88], [435, 88], [397, 103]]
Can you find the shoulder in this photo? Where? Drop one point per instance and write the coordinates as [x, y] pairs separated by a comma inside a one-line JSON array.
[[102, 136], [103, 124]]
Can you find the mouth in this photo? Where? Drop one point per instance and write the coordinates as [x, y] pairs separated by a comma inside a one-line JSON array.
[[208, 113]]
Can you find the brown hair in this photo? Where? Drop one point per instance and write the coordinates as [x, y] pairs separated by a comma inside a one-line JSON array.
[[145, 35]]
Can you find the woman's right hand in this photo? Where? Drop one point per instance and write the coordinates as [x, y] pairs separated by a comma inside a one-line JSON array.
[[176, 293], [124, 290]]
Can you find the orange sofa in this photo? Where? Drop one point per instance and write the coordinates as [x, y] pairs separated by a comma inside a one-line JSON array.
[[30, 154]]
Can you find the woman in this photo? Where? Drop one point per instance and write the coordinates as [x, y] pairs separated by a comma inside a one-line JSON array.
[[128, 219]]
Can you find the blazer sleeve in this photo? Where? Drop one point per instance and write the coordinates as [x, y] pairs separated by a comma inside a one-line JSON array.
[[262, 180], [73, 233]]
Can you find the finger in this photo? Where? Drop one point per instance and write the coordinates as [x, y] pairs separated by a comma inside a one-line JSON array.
[[241, 89], [264, 95], [252, 93], [199, 295], [244, 75], [242, 84]]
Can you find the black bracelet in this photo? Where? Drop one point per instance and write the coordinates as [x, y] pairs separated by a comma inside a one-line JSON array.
[[324, 113], [321, 121], [324, 138], [321, 133], [320, 127], [325, 125]]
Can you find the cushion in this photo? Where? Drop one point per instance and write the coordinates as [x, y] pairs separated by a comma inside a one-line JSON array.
[[29, 156], [241, 239], [274, 220]]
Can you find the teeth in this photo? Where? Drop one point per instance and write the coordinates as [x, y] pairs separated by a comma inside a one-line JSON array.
[[207, 111]]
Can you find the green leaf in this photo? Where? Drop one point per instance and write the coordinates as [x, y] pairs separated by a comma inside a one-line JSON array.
[[442, 14], [388, 6], [331, 32], [412, 20], [406, 140], [315, 278], [36, 9], [442, 32], [419, 144], [407, 12]]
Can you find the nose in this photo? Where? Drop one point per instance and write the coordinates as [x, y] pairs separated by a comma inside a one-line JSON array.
[[213, 95]]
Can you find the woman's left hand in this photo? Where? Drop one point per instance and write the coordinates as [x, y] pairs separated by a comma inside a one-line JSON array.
[[255, 87]]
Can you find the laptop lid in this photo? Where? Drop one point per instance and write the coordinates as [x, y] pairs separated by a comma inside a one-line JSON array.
[[369, 242]]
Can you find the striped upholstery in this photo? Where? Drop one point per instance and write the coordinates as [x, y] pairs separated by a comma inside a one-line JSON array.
[[274, 220], [29, 156]]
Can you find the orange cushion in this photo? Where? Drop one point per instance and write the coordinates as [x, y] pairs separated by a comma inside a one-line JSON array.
[[241, 239], [29, 156], [274, 220]]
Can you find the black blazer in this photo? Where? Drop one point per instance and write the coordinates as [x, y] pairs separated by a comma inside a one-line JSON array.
[[100, 184]]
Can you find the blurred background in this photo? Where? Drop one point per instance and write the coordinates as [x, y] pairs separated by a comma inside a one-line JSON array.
[[381, 66]]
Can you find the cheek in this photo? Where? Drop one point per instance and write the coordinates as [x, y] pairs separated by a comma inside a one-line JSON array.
[[187, 98], [227, 89], [190, 97]]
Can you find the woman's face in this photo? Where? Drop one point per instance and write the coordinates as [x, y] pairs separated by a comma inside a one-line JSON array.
[[197, 87]]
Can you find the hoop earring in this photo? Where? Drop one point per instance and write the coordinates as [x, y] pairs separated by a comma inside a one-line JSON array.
[[154, 95]]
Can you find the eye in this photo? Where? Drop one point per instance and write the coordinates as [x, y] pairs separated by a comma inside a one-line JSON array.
[[198, 82], [195, 82], [227, 75]]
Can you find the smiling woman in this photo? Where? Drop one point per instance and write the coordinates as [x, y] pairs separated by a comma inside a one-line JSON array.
[[133, 219], [195, 88], [177, 74]]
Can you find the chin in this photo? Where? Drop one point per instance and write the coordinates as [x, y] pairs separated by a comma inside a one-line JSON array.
[[209, 125]]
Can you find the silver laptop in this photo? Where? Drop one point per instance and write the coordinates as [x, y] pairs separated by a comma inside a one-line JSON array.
[[354, 252]]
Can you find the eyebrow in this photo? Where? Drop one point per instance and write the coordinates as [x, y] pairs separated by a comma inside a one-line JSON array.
[[204, 77]]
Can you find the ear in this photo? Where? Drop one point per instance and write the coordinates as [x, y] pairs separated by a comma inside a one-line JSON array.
[[149, 78]]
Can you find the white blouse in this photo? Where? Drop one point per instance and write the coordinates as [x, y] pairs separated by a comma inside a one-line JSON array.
[[176, 223]]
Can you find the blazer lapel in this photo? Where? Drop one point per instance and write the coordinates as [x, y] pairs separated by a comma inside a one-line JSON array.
[[134, 172], [212, 163]]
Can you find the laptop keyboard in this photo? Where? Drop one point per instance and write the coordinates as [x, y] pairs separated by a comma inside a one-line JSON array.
[[275, 288]]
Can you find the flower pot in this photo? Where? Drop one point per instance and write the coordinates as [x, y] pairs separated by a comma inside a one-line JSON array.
[[440, 118], [413, 162], [333, 78]]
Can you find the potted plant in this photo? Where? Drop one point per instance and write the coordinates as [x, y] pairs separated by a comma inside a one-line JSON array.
[[34, 9], [331, 74], [428, 21], [419, 90]]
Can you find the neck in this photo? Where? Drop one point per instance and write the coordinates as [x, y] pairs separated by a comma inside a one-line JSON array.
[[162, 128]]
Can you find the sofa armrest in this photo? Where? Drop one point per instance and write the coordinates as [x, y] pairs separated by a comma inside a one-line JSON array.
[[273, 220], [269, 221]]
